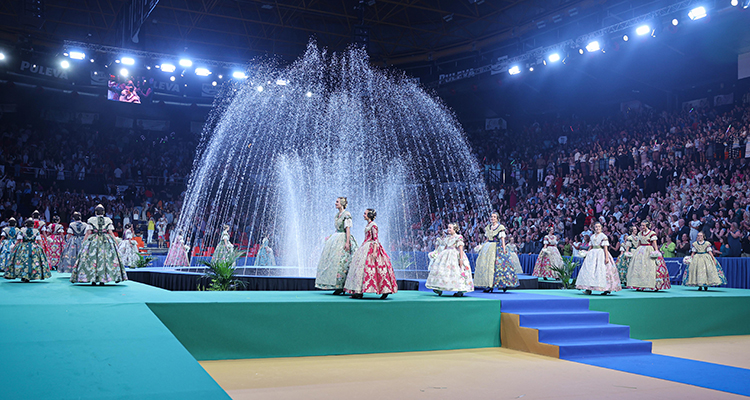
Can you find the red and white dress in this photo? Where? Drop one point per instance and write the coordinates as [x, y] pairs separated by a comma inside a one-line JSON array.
[[178, 254], [370, 270], [548, 257], [55, 243]]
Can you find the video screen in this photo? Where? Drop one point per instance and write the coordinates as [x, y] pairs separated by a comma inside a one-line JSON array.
[[136, 90]]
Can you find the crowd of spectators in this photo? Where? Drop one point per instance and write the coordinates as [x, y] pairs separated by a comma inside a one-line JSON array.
[[684, 172]]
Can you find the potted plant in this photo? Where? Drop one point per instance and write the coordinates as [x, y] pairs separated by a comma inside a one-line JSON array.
[[222, 274], [565, 272]]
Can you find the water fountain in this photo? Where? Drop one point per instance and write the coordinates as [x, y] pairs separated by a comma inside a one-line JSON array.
[[281, 146]]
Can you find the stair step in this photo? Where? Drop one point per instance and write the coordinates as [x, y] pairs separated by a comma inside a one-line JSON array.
[[584, 333], [570, 350], [544, 305], [543, 319]]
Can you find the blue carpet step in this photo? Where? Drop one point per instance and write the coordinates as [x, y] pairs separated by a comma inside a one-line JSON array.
[[586, 349], [583, 333], [542, 319], [518, 306]]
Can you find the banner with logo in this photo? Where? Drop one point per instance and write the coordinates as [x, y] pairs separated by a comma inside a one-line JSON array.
[[723, 99]]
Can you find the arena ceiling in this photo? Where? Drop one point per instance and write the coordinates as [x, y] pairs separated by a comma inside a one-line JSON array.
[[400, 31]]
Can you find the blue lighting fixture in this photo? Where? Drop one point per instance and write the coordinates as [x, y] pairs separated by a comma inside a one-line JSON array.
[[77, 55], [697, 13], [643, 30], [202, 72], [625, 38], [65, 64], [127, 60], [168, 67], [593, 46], [554, 57], [186, 63], [675, 22], [124, 72], [238, 75], [515, 70]]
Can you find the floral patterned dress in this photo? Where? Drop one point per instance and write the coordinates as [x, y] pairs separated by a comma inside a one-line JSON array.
[[703, 269], [178, 254], [445, 273], [644, 271], [77, 230], [265, 255], [334, 261], [548, 257], [40, 226], [8, 242], [371, 270], [494, 268], [223, 250], [128, 249], [98, 261], [55, 243], [623, 262], [513, 252], [596, 273], [28, 260]]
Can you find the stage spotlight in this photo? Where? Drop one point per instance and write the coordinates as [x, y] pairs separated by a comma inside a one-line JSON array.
[[171, 78], [531, 69], [202, 72], [124, 72], [259, 88], [580, 51], [213, 83], [65, 64], [593, 46], [127, 60], [697, 13], [308, 94], [643, 30], [221, 76], [554, 57], [745, 3], [92, 60], [168, 67], [186, 63], [515, 70], [544, 62], [2, 56], [281, 82], [239, 75], [77, 55], [734, 3], [625, 38]]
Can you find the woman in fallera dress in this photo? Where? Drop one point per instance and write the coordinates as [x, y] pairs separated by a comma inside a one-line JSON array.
[[703, 270], [549, 257], [55, 241], [450, 270], [494, 268], [628, 247], [371, 270], [76, 233], [598, 271], [647, 270], [224, 248], [39, 225], [28, 261], [99, 262], [177, 256], [128, 247], [337, 252], [8, 235], [265, 255], [513, 253]]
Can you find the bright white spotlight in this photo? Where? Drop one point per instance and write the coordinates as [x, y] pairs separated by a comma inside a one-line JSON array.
[[127, 61], [259, 88], [213, 83], [515, 70], [202, 72], [239, 75], [124, 72], [168, 67], [2, 56], [308, 94], [697, 13], [593, 46], [580, 51], [77, 55], [92, 60], [281, 82], [186, 63], [531, 69], [65, 64], [171, 78], [734, 3], [675, 22], [625, 38], [643, 30], [554, 57]]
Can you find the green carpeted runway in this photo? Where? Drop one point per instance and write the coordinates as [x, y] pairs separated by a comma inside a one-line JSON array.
[[680, 312]]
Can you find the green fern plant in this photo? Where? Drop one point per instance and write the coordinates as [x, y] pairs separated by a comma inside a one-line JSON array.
[[222, 274], [565, 272], [143, 262]]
